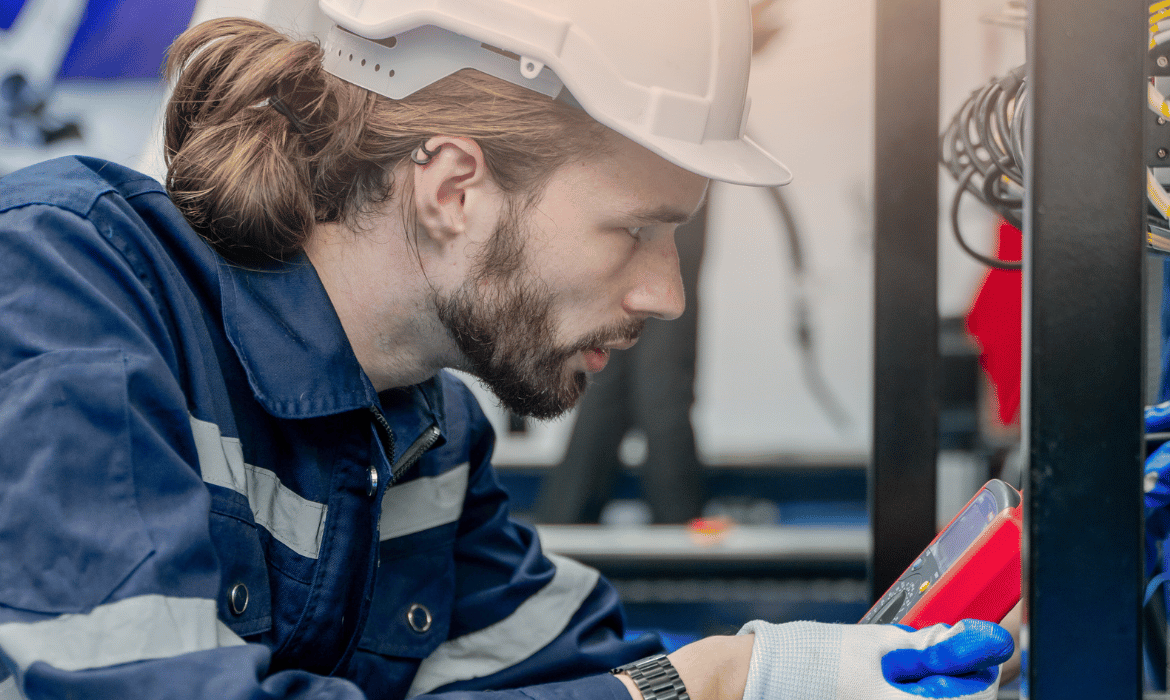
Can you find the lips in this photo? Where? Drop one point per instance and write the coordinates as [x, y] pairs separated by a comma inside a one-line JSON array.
[[623, 346], [596, 359]]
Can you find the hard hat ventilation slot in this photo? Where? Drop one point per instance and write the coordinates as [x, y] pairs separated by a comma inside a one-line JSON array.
[[502, 52], [529, 67]]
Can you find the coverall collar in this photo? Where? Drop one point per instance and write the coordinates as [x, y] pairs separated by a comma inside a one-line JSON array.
[[294, 350]]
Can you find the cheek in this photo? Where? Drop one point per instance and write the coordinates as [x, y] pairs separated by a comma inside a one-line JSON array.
[[601, 261], [588, 300], [587, 271], [596, 281]]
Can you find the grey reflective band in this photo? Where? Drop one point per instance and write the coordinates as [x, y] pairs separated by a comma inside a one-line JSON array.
[[134, 629], [291, 519], [8, 689], [423, 503], [538, 621], [656, 678]]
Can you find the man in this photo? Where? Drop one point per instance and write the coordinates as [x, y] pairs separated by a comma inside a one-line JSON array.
[[233, 465]]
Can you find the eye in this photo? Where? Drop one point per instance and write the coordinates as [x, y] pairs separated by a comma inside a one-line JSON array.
[[634, 231]]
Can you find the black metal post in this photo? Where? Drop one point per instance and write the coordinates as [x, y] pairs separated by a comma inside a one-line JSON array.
[[902, 474], [1084, 225]]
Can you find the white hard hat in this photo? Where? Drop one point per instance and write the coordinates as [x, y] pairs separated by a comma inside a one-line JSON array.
[[671, 75]]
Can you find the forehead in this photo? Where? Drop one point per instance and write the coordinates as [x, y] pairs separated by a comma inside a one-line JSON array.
[[624, 179]]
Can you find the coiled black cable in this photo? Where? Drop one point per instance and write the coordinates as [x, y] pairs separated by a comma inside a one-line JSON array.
[[982, 148]]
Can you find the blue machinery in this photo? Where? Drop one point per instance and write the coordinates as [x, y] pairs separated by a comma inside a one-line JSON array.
[[1083, 295]]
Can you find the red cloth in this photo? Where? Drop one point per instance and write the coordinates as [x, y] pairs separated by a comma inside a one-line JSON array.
[[996, 322]]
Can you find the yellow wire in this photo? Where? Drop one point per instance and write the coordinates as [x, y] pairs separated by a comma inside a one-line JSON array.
[[1157, 101], [1164, 4], [1155, 194], [1154, 19], [1158, 242]]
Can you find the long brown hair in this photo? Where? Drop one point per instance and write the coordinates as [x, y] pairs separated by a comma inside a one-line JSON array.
[[253, 180]]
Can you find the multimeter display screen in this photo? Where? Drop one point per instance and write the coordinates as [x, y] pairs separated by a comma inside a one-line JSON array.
[[965, 529]]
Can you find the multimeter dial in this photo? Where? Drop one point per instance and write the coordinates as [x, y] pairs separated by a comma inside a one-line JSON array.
[[900, 598]]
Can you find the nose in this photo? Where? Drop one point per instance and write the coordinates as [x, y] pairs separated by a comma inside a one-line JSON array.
[[657, 289]]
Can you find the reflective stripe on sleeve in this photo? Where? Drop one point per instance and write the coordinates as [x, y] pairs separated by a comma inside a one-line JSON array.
[[423, 503], [8, 689], [293, 520], [134, 629], [538, 621]]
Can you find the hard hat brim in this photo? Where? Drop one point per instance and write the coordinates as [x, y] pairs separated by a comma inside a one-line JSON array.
[[739, 162]]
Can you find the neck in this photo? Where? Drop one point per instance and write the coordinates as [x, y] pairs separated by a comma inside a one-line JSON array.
[[383, 301]]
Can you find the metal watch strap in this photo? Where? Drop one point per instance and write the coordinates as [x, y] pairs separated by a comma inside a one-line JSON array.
[[656, 677]]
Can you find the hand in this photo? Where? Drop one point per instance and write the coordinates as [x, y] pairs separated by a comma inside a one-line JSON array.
[[1011, 622], [818, 661]]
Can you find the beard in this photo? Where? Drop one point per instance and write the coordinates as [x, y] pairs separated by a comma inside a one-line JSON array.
[[501, 320]]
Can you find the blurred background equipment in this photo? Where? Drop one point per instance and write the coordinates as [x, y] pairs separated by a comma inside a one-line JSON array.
[[35, 37], [24, 121], [82, 77]]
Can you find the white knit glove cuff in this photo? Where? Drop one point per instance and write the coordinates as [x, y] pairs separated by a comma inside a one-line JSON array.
[[819, 661], [793, 661]]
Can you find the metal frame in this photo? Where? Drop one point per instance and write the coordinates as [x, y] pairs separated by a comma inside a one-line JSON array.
[[1083, 372], [903, 474], [1084, 223]]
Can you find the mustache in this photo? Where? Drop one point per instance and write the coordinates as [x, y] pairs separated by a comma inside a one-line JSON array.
[[617, 333]]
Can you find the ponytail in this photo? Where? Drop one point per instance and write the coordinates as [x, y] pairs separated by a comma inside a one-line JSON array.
[[233, 167]]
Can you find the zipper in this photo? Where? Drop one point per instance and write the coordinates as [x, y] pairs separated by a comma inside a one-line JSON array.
[[412, 454], [424, 442], [387, 434]]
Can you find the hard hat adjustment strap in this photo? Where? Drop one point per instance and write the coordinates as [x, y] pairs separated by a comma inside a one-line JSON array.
[[416, 58]]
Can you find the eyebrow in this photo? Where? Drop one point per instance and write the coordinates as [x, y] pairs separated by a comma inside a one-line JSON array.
[[666, 215]]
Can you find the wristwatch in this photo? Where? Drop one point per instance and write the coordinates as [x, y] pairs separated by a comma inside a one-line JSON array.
[[656, 677]]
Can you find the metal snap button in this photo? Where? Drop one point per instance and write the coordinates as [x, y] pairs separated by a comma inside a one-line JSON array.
[[372, 487], [419, 618], [238, 599]]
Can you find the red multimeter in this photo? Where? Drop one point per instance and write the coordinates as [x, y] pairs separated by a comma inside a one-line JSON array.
[[970, 570]]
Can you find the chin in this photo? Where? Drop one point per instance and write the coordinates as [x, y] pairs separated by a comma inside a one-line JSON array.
[[549, 405]]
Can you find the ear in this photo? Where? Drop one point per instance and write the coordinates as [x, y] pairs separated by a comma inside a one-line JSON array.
[[449, 188]]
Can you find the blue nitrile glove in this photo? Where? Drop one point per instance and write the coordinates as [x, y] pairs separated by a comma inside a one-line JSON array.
[[1157, 486], [1158, 418], [819, 661], [1157, 501]]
